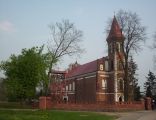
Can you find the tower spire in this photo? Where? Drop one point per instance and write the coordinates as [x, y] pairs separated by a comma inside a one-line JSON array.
[[115, 30]]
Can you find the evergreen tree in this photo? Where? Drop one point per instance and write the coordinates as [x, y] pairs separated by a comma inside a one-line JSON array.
[[134, 91], [149, 85]]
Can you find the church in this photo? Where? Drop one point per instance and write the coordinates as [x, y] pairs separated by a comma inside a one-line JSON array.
[[99, 81]]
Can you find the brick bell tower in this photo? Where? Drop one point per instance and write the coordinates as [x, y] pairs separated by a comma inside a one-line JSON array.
[[115, 42]]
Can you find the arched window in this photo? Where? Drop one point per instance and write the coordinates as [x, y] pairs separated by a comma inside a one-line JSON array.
[[104, 84], [66, 87], [120, 67], [120, 84], [106, 66], [70, 87], [73, 86], [118, 47]]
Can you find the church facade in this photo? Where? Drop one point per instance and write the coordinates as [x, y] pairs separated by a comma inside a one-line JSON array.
[[100, 80]]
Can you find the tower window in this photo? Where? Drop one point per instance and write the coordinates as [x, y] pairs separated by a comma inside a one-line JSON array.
[[120, 65], [106, 65], [120, 84], [104, 84], [118, 47]]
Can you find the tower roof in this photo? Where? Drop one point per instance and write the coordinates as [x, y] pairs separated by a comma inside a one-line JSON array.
[[115, 30]]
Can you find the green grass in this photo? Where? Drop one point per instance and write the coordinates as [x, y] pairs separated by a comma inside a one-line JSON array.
[[14, 105], [51, 115]]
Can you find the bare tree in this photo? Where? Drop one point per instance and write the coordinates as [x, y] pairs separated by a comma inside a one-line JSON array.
[[64, 41], [134, 34], [154, 41], [154, 48]]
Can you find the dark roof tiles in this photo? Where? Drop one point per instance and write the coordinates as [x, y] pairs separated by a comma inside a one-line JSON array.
[[115, 30]]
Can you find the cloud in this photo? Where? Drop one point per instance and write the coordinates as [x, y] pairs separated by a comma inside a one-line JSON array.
[[6, 26]]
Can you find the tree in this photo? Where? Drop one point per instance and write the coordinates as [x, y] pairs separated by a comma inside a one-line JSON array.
[[134, 34], [65, 41], [134, 91], [154, 41], [150, 84], [23, 73], [2, 90], [154, 48]]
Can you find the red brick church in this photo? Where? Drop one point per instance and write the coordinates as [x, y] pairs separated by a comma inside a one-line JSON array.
[[100, 80]]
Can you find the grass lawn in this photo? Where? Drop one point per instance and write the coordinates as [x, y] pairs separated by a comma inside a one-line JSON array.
[[51, 115]]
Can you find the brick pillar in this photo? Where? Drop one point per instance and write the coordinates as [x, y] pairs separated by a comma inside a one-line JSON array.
[[44, 102], [142, 104], [148, 105]]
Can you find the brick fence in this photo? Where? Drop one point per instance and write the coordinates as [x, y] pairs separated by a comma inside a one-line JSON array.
[[46, 103], [100, 107]]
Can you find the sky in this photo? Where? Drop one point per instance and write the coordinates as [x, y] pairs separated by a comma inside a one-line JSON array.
[[24, 24]]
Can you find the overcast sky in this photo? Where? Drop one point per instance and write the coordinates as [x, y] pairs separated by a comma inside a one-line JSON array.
[[24, 23]]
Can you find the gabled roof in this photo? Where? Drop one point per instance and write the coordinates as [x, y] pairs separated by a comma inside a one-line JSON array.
[[115, 30], [83, 69]]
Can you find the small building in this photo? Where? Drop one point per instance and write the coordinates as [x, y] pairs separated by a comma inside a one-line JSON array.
[[100, 80]]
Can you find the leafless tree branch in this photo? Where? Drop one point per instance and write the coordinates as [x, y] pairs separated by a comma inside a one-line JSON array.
[[65, 40], [134, 34]]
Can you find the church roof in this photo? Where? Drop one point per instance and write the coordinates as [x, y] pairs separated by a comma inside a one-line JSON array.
[[115, 30], [85, 68]]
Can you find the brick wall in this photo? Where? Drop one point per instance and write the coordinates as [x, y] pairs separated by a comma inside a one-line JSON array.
[[101, 107], [86, 90], [45, 103]]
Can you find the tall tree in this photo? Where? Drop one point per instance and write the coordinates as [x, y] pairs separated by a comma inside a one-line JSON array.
[[23, 73], [134, 34], [154, 48], [154, 41], [150, 84], [65, 41], [134, 91]]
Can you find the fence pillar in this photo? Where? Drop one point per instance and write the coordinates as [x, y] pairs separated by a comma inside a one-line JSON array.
[[148, 105], [44, 103]]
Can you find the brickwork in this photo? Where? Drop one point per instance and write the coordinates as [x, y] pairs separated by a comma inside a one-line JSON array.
[[101, 106], [45, 103], [148, 105], [95, 81], [86, 90]]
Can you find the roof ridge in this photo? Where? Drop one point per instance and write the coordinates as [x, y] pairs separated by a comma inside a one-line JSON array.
[[84, 68]]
